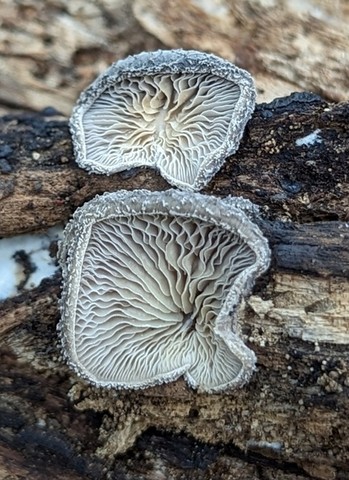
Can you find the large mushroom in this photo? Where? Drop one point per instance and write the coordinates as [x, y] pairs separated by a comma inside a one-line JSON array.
[[182, 112], [152, 282]]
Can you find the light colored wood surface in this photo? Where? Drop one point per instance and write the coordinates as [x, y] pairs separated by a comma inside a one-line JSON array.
[[51, 49]]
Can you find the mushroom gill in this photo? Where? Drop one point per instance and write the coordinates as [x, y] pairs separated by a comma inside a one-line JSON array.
[[151, 286], [182, 112]]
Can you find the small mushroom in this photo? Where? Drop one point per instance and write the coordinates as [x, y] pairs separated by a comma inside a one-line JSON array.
[[151, 286], [182, 112]]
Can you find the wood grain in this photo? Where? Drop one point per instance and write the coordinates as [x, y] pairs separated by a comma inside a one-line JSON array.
[[290, 421]]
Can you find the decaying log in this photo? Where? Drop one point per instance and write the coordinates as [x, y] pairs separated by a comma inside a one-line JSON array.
[[286, 46], [50, 50], [290, 421], [40, 185]]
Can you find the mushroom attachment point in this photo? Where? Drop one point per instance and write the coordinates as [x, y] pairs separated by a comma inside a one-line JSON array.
[[182, 112], [152, 282]]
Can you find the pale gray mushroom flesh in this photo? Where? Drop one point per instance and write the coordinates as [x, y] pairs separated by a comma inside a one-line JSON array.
[[152, 282], [182, 112]]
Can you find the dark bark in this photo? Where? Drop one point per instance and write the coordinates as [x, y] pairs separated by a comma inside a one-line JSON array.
[[40, 185], [290, 421]]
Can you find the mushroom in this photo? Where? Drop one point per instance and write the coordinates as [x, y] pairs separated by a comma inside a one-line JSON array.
[[182, 112], [152, 282]]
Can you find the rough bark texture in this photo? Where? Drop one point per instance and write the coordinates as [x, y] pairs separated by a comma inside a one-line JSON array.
[[40, 185], [290, 421]]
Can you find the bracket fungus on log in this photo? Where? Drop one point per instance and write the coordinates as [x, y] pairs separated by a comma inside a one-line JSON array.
[[182, 112], [151, 286]]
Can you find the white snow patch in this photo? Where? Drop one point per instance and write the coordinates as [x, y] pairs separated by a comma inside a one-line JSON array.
[[276, 446], [30, 249], [310, 139]]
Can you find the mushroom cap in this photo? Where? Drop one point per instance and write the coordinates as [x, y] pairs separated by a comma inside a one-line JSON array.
[[151, 286], [182, 112]]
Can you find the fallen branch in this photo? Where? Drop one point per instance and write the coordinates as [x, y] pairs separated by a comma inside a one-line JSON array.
[[291, 420]]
